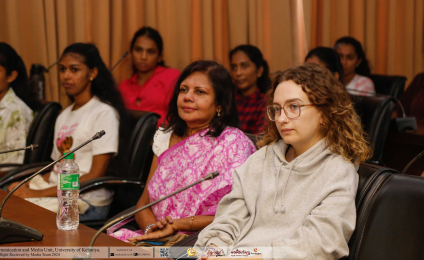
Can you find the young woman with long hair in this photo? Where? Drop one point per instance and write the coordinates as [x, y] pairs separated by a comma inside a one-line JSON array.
[[250, 74], [150, 87], [327, 58], [355, 65], [97, 105]]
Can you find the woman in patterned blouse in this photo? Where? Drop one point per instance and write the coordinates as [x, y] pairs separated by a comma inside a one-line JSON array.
[[15, 115], [201, 137]]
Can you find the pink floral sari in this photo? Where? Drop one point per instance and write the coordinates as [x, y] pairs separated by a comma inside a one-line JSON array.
[[188, 161]]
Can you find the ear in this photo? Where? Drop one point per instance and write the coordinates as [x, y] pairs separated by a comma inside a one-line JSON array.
[[321, 119], [218, 109], [336, 75], [358, 62], [92, 74], [260, 71], [160, 58], [12, 76]]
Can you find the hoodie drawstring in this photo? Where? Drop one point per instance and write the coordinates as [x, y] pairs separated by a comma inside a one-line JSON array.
[[276, 188], [282, 207]]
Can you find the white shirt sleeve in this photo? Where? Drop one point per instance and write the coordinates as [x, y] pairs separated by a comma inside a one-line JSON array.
[[161, 141], [107, 120]]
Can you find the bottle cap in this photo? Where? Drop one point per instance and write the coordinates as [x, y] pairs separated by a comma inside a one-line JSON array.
[[71, 156]]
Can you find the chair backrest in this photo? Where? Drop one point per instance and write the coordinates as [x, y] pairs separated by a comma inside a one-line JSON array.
[[375, 114], [141, 140], [389, 85], [253, 138], [41, 132], [390, 219], [368, 174], [139, 160]]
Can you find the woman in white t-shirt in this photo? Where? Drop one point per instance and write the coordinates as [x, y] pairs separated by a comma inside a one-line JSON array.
[[96, 103], [356, 68]]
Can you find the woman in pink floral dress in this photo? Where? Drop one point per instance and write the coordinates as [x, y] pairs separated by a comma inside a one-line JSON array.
[[201, 137]]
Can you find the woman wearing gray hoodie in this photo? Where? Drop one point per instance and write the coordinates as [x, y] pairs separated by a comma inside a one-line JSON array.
[[295, 197]]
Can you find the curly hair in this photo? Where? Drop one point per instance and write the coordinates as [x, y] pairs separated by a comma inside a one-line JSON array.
[[341, 125]]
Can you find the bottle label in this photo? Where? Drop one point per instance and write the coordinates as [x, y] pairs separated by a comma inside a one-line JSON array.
[[69, 182]]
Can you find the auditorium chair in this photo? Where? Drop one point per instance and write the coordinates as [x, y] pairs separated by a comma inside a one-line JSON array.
[[127, 189], [389, 217], [253, 138], [389, 85], [40, 132], [375, 114]]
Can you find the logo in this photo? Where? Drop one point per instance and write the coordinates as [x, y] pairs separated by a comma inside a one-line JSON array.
[[240, 253], [112, 254], [191, 251], [255, 250]]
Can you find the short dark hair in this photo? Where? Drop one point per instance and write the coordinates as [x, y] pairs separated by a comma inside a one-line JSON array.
[[11, 61], [363, 68], [330, 58], [154, 36], [224, 88], [255, 55]]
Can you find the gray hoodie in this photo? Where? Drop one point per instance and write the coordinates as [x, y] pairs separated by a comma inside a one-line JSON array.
[[304, 209]]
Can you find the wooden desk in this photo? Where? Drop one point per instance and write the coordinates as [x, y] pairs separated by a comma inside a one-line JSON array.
[[43, 220], [402, 147]]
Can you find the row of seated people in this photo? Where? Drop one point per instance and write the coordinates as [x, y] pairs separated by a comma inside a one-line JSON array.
[[248, 69], [289, 197], [196, 107], [306, 166], [150, 88]]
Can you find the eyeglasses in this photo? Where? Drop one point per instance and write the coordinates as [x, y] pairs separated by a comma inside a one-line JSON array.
[[291, 109]]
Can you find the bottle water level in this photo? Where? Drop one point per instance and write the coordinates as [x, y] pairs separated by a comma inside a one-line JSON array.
[[68, 215]]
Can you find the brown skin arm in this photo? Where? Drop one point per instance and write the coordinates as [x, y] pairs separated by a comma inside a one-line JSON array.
[[98, 169], [198, 223], [146, 217], [169, 226]]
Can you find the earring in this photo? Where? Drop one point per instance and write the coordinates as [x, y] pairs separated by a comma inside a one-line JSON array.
[[219, 113]]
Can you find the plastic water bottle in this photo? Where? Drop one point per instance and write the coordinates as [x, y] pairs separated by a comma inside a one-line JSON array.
[[67, 194]]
